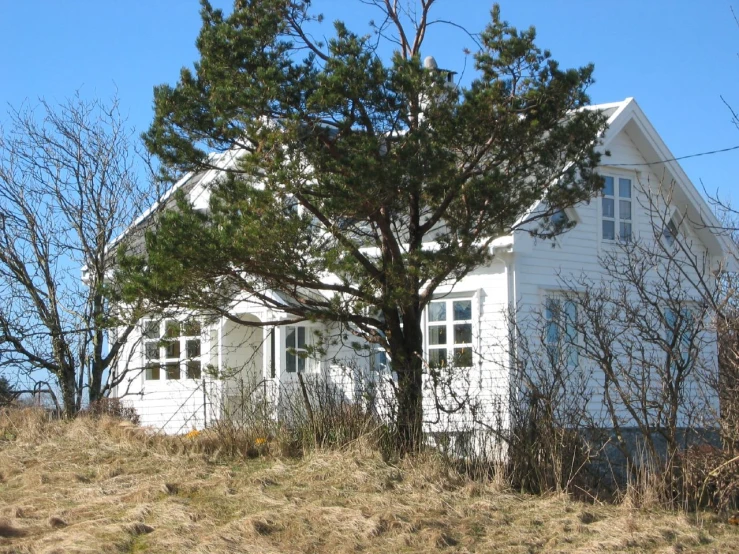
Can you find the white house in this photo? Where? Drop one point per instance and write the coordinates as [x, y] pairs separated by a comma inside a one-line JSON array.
[[171, 389]]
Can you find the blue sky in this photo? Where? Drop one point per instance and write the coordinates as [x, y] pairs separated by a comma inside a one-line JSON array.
[[676, 57]]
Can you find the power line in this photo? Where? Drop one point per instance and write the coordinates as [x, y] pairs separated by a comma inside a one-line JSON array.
[[682, 157]]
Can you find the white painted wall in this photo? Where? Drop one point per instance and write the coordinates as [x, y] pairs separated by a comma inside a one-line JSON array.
[[540, 265], [169, 406], [517, 279]]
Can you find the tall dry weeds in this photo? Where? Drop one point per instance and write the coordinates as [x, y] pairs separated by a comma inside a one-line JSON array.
[[99, 484]]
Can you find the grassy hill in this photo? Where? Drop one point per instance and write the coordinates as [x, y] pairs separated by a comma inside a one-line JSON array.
[[100, 486]]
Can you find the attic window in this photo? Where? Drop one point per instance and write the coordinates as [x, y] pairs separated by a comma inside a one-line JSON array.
[[616, 218], [559, 219], [554, 224], [669, 233]]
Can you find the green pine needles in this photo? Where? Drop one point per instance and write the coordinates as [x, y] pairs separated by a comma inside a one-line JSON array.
[[351, 166]]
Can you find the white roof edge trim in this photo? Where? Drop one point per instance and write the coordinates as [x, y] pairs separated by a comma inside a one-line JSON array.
[[210, 174], [502, 243], [614, 128], [682, 180], [620, 106]]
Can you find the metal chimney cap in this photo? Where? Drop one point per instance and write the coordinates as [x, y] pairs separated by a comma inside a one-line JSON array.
[[430, 63]]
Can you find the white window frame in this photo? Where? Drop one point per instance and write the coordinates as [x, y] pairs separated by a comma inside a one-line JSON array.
[[164, 364], [449, 329], [557, 305], [618, 209], [296, 353]]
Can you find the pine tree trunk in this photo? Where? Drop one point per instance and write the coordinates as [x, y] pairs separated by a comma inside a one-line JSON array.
[[410, 408], [407, 363]]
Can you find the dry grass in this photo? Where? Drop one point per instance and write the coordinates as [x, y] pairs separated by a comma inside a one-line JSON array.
[[96, 486]]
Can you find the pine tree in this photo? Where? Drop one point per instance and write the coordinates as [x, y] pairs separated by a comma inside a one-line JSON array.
[[381, 157]]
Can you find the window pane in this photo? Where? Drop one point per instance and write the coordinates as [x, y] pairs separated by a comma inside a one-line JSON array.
[[609, 232], [558, 219], [379, 360], [437, 357], [624, 188], [669, 233], [152, 372], [301, 364], [172, 349], [191, 328], [151, 350], [301, 337], [624, 209], [437, 311], [463, 357], [290, 362], [437, 334], [570, 313], [572, 356], [670, 318], [553, 354], [462, 310], [551, 309], [552, 315], [172, 329], [608, 187], [688, 331], [624, 232], [151, 329], [193, 369], [193, 348], [608, 207], [290, 337], [463, 333], [172, 370]]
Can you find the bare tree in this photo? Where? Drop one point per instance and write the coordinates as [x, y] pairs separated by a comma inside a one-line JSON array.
[[646, 328], [68, 187]]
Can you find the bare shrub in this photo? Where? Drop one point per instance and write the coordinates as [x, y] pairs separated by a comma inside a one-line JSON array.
[[112, 407], [728, 378], [710, 478]]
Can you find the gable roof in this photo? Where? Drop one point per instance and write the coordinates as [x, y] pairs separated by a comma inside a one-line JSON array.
[[627, 116], [622, 116], [194, 183]]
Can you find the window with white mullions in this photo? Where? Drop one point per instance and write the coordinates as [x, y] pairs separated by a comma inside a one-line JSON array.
[[191, 332], [170, 345], [560, 333], [449, 333], [296, 351], [616, 216], [151, 335]]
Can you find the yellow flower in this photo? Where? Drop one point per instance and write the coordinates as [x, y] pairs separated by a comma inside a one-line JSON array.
[[260, 441], [193, 434]]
